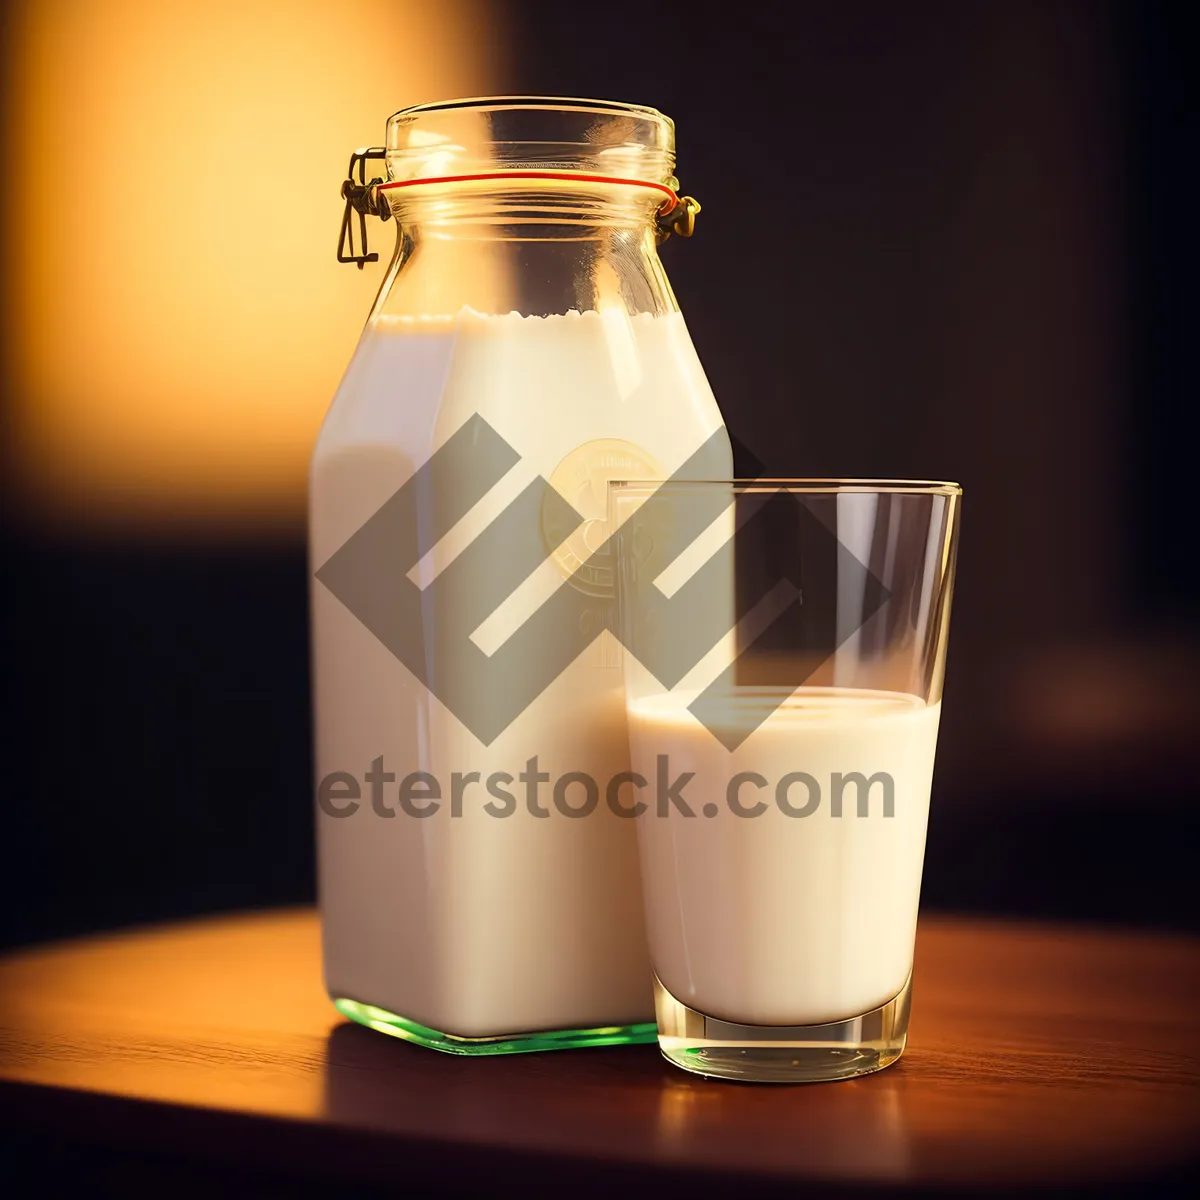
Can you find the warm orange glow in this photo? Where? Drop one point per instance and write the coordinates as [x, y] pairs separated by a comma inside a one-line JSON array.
[[177, 317]]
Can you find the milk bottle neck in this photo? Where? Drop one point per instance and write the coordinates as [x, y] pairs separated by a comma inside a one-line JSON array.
[[533, 250]]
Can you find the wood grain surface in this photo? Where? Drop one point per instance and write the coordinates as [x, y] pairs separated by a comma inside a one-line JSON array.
[[1038, 1055]]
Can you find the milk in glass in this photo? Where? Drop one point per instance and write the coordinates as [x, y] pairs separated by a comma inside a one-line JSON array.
[[793, 899]]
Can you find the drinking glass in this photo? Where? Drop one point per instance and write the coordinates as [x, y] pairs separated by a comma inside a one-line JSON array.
[[785, 644]]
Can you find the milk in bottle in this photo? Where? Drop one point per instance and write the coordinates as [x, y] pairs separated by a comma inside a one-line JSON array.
[[478, 891]]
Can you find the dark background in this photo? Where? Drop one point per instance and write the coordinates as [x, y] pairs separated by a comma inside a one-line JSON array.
[[948, 240]]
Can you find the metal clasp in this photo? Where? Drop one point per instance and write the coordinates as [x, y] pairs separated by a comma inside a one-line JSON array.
[[679, 219], [364, 198]]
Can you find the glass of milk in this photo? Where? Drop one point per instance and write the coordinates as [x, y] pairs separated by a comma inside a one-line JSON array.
[[785, 645]]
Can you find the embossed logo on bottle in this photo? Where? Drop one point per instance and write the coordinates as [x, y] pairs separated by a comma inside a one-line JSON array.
[[582, 479]]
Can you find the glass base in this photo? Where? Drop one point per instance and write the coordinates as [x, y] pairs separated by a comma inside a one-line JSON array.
[[782, 1054], [512, 1043]]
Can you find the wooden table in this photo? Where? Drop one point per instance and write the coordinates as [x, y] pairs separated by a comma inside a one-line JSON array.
[[1037, 1054]]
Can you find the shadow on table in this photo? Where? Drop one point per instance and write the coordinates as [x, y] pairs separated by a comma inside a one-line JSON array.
[[617, 1115], [592, 1121]]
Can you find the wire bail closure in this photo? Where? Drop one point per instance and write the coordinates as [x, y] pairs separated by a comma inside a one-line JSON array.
[[679, 219], [364, 198], [677, 214]]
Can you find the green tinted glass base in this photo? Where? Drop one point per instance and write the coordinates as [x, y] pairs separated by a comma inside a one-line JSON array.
[[513, 1043]]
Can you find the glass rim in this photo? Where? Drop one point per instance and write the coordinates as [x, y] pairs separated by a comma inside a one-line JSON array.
[[544, 103], [903, 487]]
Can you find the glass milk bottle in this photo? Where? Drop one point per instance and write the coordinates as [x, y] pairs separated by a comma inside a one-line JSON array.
[[478, 880]]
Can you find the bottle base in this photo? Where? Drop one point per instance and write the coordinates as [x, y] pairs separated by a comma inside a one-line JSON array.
[[786, 1054], [514, 1043]]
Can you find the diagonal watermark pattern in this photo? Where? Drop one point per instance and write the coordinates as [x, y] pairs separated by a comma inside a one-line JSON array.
[[430, 629]]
